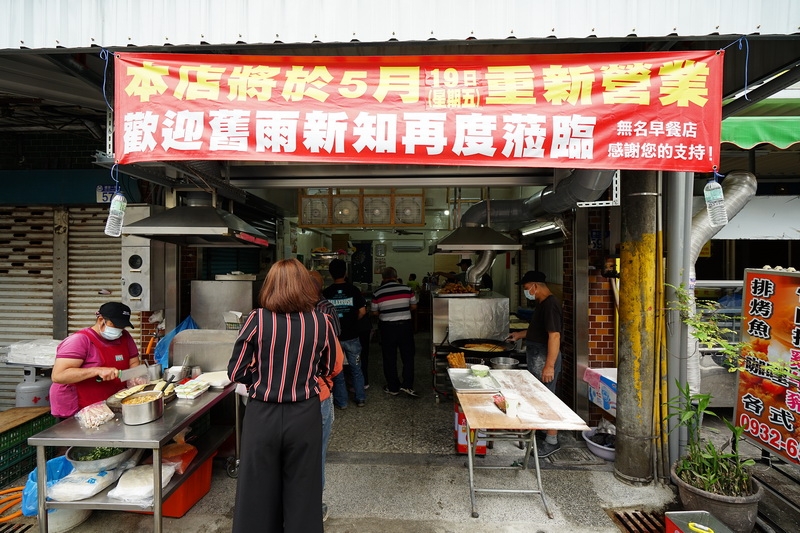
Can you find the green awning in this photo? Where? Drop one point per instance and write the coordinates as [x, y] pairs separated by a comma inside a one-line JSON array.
[[775, 122]]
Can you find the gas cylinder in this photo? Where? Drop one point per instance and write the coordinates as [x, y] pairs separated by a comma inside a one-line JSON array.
[[34, 391]]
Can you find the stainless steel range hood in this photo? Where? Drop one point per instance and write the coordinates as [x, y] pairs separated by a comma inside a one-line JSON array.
[[475, 239], [198, 226]]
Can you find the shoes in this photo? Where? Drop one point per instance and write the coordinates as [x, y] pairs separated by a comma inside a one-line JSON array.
[[393, 393], [546, 449], [342, 407], [324, 511], [366, 386], [362, 403], [409, 392]]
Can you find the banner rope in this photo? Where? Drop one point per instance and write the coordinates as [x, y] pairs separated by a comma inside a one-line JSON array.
[[104, 55], [742, 41]]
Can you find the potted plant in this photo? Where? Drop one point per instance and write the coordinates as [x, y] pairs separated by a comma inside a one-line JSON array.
[[712, 477]]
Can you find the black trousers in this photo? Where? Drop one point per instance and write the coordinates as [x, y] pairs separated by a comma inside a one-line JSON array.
[[394, 336], [279, 487]]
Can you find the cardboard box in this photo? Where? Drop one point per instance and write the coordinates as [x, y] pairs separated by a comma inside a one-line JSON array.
[[460, 433], [602, 388]]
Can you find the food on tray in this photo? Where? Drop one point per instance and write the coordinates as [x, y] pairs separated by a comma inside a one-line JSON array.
[[191, 389], [456, 360], [458, 288], [320, 250], [483, 347], [144, 398], [124, 393]]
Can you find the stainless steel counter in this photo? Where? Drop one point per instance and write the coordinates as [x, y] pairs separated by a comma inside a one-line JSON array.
[[154, 435]]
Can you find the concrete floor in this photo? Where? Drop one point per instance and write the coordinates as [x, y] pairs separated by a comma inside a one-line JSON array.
[[392, 467]]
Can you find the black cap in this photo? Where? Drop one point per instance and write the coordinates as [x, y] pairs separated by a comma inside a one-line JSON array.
[[118, 313], [465, 262], [532, 276]]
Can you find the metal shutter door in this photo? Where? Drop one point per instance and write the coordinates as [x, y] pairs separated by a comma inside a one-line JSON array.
[[95, 268], [26, 284]]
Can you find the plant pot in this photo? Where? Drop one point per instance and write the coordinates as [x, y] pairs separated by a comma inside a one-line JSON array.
[[737, 512]]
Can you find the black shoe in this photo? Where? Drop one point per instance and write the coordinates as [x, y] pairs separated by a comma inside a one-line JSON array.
[[409, 392], [324, 511], [340, 406], [361, 404], [387, 391], [546, 449]]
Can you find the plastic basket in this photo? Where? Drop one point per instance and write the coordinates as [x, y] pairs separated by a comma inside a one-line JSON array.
[[20, 434]]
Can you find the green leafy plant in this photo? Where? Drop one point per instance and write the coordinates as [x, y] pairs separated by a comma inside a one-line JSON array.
[[705, 465]]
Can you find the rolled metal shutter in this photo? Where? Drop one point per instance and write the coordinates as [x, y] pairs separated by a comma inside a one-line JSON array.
[[26, 285], [95, 268]]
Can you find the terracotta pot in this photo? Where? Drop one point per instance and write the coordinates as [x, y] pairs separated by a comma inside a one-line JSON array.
[[737, 512]]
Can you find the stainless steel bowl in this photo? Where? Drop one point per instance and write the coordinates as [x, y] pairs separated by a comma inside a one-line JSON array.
[[134, 414], [504, 363], [109, 463]]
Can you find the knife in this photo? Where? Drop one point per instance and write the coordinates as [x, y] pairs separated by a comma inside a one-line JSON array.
[[131, 373]]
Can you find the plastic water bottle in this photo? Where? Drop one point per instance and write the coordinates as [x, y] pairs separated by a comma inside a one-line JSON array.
[[116, 214], [715, 203]]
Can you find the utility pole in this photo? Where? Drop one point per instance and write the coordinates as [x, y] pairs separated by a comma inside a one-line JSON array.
[[637, 344]]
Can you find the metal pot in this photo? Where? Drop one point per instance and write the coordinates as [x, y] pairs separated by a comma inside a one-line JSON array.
[[134, 414], [504, 363], [503, 348]]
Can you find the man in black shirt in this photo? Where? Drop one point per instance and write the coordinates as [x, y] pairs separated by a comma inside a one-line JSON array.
[[351, 307]]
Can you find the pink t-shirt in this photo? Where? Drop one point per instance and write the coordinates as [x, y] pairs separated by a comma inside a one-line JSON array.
[[63, 397]]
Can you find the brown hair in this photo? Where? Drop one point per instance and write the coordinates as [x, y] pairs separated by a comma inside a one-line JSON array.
[[288, 288]]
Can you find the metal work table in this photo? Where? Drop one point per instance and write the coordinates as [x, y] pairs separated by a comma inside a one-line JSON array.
[[539, 409], [154, 435]]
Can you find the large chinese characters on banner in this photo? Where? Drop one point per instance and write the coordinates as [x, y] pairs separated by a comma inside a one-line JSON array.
[[619, 111], [768, 400]]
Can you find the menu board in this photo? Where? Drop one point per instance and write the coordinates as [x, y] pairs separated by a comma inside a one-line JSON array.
[[768, 399]]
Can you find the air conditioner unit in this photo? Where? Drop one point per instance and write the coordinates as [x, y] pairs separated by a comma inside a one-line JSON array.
[[408, 246]]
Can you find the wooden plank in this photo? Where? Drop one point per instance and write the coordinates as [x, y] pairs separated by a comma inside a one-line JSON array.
[[17, 416]]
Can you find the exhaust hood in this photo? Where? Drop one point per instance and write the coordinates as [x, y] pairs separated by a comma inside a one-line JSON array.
[[197, 226], [475, 239]]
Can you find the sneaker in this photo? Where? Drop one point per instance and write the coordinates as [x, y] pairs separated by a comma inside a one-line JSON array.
[[342, 407], [362, 403], [366, 386], [324, 511], [546, 449], [387, 391], [410, 392]]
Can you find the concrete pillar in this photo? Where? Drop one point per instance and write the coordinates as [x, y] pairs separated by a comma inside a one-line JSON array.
[[637, 344]]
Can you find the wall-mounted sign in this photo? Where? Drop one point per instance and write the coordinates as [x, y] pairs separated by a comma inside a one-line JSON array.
[[654, 110]]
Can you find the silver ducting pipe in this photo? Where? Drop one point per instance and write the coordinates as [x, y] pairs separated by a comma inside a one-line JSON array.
[[738, 187], [583, 185]]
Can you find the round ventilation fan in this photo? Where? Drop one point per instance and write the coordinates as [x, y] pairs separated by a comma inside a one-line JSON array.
[[376, 211], [345, 212], [408, 211]]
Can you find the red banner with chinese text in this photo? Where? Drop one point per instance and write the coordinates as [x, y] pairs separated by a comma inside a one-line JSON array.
[[659, 111], [768, 399]]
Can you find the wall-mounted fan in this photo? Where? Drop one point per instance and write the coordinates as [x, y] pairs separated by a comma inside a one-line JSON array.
[[377, 211], [315, 211], [408, 210], [345, 210]]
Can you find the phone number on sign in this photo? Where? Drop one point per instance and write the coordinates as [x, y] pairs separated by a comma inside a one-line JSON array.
[[771, 436]]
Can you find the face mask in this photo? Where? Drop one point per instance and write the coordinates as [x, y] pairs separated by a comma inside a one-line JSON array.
[[111, 334], [530, 296]]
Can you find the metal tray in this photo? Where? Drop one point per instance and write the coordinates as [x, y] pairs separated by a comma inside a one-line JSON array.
[[463, 380], [457, 295]]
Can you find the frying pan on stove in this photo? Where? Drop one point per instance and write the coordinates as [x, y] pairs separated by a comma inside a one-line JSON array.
[[500, 347]]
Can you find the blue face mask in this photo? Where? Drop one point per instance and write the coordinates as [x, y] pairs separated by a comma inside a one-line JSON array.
[[530, 296]]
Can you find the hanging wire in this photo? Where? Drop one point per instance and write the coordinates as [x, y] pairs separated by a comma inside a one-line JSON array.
[[742, 41], [115, 177], [104, 55]]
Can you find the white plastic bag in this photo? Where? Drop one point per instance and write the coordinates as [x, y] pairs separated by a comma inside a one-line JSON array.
[[95, 415], [136, 485], [81, 485]]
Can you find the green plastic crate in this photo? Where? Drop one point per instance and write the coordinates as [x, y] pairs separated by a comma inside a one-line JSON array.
[[17, 470], [20, 434]]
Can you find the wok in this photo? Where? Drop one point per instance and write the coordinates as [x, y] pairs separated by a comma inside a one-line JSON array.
[[503, 348]]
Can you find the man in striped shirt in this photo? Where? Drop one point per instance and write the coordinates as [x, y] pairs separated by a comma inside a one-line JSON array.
[[392, 303]]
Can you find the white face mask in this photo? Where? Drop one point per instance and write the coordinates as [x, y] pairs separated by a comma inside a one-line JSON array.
[[530, 296], [111, 334]]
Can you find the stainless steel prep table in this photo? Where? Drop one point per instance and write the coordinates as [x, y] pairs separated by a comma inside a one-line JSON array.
[[154, 435], [539, 409]]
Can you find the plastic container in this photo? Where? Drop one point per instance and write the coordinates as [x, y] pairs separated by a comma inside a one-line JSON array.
[[715, 203], [687, 522], [189, 492], [603, 452], [480, 370], [116, 215]]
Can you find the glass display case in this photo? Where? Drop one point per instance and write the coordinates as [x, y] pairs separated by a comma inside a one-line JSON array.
[[320, 262]]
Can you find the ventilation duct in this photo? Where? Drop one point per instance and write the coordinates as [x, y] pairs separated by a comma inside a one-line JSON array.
[[738, 188]]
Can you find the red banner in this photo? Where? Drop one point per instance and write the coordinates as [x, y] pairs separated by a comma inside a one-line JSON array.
[[659, 111], [768, 400]]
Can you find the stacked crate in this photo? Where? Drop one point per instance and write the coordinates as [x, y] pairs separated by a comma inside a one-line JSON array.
[[16, 425]]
